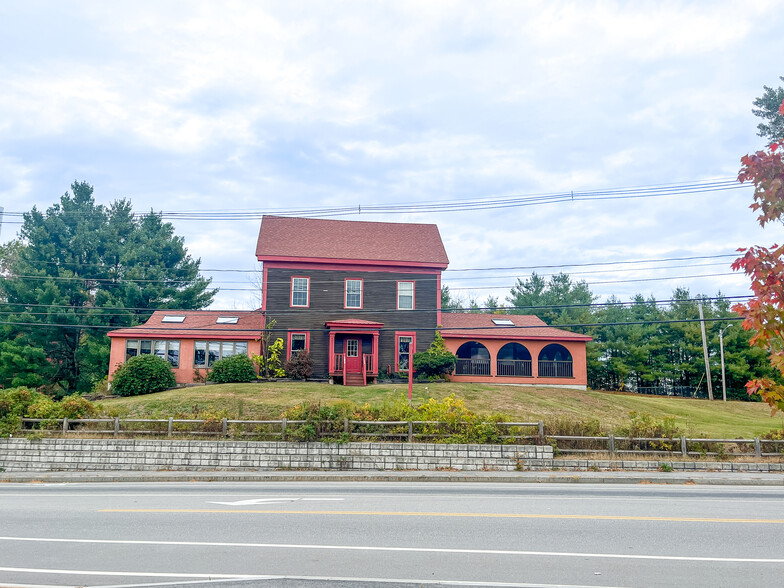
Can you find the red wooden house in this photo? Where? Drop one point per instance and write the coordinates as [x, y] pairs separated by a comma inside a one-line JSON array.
[[362, 297]]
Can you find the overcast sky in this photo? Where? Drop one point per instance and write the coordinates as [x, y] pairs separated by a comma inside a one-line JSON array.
[[274, 106]]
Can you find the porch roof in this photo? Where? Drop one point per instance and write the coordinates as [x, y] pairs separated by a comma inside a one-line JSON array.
[[353, 324], [475, 326]]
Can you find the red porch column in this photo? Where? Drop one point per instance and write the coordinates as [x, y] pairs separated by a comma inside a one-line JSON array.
[[375, 352], [331, 352]]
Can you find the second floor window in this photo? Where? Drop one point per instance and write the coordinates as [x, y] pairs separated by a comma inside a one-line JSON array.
[[299, 291], [405, 295], [353, 293]]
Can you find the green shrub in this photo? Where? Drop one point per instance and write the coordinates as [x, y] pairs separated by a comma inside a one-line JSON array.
[[436, 361], [237, 368], [14, 404], [143, 374], [300, 366]]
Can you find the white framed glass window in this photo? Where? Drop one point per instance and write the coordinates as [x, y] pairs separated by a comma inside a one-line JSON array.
[[300, 290], [205, 353], [403, 352], [165, 349], [352, 348], [353, 294], [299, 342], [405, 295]]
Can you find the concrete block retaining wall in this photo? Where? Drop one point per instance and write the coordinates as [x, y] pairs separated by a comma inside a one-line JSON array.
[[49, 455]]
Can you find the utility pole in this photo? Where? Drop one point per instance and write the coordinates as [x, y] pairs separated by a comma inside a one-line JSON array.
[[721, 350], [705, 353]]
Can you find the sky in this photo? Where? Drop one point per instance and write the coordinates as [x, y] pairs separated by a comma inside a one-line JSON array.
[[265, 107]]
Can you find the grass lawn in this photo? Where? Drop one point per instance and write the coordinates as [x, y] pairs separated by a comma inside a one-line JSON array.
[[267, 401]]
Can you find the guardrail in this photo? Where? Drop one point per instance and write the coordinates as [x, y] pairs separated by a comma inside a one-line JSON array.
[[409, 431], [667, 446], [283, 429]]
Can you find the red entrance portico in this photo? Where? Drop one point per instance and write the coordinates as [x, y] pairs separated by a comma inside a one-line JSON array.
[[353, 351]]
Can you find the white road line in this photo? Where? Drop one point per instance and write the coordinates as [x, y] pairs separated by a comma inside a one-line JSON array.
[[228, 577], [130, 574], [405, 549], [275, 501]]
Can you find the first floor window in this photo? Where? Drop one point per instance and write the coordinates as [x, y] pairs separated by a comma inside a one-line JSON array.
[[298, 343], [403, 353], [405, 295], [353, 294], [165, 349], [299, 291], [205, 353]]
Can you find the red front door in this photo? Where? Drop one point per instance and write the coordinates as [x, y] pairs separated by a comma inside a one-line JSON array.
[[353, 356]]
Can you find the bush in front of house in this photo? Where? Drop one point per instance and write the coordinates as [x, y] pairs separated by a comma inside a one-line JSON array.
[[437, 361], [299, 366], [143, 374], [237, 368]]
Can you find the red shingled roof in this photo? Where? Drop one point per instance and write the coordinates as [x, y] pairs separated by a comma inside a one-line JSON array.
[[474, 325], [198, 324], [337, 241]]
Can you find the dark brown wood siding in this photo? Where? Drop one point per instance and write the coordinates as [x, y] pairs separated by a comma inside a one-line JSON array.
[[379, 293]]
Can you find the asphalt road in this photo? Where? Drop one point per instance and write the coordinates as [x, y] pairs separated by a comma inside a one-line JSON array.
[[330, 533]]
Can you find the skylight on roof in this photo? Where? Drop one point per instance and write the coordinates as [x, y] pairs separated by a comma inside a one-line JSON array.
[[173, 318], [503, 323], [227, 320]]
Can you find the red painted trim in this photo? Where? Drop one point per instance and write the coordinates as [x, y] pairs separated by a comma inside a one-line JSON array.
[[331, 353], [361, 293], [351, 267], [438, 300], [291, 292], [200, 336], [288, 341], [344, 262], [264, 289], [413, 294], [477, 336], [339, 326], [411, 348]]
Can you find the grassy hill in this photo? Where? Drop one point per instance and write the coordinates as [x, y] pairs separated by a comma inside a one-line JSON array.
[[611, 409]]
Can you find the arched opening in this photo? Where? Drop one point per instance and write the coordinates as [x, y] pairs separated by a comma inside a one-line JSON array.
[[555, 361], [513, 359], [473, 359]]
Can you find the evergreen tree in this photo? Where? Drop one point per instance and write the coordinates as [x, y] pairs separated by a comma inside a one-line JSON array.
[[81, 265]]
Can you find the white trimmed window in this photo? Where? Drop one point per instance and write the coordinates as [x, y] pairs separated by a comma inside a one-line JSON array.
[[205, 353], [300, 289], [403, 352], [299, 342], [168, 350], [353, 294], [405, 295]]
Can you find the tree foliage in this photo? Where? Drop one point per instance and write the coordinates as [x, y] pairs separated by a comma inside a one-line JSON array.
[[768, 110], [436, 361], [556, 301], [78, 269], [764, 313]]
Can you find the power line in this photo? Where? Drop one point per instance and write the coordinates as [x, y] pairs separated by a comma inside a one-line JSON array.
[[395, 329], [461, 205], [124, 310]]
